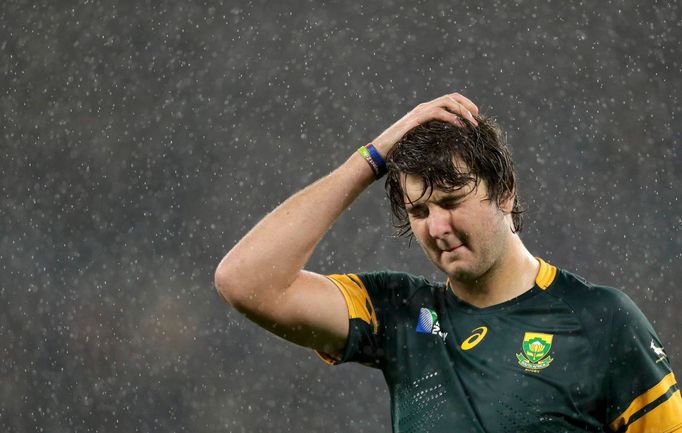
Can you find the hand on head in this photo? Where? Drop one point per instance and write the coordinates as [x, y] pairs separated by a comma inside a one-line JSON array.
[[448, 108]]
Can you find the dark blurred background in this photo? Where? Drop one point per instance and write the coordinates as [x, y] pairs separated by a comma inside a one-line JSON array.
[[141, 139]]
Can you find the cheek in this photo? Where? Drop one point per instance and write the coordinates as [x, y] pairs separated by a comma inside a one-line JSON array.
[[417, 228], [490, 224], [475, 223]]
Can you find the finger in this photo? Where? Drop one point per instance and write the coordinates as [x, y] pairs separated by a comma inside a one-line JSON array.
[[466, 102], [459, 108], [447, 116]]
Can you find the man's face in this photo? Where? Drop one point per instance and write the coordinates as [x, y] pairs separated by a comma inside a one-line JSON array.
[[462, 232]]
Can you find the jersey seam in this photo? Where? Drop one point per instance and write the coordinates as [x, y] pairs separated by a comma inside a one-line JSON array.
[[372, 284], [593, 344]]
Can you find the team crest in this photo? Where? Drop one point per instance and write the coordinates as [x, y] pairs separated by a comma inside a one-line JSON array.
[[535, 352]]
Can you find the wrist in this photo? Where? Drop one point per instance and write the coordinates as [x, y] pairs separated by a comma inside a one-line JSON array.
[[374, 159], [382, 146]]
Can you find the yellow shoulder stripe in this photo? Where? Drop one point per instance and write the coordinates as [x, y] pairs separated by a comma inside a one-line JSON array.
[[327, 358], [357, 299], [546, 274], [663, 418]]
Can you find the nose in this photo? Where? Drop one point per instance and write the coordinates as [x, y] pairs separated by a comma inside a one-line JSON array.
[[439, 222]]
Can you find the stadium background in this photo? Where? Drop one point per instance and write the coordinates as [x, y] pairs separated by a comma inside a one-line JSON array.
[[141, 139]]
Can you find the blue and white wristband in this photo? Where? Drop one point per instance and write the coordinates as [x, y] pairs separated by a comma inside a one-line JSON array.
[[374, 159]]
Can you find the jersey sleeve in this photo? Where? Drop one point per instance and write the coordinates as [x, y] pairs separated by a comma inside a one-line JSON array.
[[362, 293], [643, 394]]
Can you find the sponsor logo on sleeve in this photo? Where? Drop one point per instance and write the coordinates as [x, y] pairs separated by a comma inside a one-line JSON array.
[[535, 353], [427, 323]]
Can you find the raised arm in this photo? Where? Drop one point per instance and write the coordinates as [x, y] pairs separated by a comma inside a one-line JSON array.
[[263, 277]]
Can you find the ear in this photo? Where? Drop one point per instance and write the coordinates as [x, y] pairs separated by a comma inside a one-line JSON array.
[[507, 202]]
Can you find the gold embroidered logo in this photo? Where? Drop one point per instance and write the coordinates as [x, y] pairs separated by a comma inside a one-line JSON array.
[[535, 353], [477, 335]]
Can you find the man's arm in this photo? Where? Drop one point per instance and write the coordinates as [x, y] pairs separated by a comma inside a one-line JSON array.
[[263, 277], [643, 394]]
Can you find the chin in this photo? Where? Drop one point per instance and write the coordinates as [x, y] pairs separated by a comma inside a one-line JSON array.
[[462, 272], [464, 276], [455, 271]]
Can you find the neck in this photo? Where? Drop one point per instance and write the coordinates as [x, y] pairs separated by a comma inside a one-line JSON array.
[[513, 275]]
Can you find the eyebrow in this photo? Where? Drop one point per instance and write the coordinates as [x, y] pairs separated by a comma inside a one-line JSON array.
[[450, 198]]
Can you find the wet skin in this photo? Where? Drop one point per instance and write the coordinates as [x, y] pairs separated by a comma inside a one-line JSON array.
[[462, 232]]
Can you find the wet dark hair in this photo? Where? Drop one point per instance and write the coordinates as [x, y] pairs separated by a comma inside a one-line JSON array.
[[428, 151]]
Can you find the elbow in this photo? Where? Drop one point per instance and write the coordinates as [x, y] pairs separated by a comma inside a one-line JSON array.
[[249, 290], [226, 282], [233, 285]]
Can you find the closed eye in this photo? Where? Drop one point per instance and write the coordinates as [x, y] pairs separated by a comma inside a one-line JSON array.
[[418, 211], [450, 203]]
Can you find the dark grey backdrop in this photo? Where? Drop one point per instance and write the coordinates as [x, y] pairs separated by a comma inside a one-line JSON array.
[[141, 139]]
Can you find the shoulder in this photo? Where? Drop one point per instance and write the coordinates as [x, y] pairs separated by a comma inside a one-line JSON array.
[[638, 383], [390, 286], [399, 286], [398, 281], [596, 304], [584, 295]]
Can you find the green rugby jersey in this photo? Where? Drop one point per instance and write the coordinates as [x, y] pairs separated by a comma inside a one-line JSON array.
[[566, 356]]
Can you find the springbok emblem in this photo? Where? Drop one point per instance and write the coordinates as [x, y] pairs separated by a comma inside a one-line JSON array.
[[658, 351]]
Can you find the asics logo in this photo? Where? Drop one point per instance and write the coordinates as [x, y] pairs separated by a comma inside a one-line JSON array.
[[476, 337]]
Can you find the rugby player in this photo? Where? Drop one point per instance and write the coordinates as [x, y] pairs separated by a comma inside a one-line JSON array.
[[505, 343]]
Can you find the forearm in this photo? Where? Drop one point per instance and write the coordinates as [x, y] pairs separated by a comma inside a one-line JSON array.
[[272, 255], [269, 258]]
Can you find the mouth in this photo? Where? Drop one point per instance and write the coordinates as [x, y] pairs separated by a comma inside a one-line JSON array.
[[452, 249]]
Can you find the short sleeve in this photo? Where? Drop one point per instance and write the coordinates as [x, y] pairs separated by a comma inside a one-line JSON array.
[[363, 345], [643, 393]]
